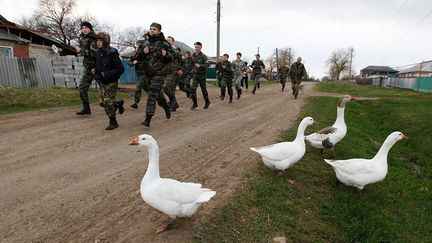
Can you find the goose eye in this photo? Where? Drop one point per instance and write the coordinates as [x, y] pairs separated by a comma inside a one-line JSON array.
[[143, 139]]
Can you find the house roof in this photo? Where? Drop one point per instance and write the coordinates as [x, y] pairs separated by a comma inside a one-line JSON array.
[[27, 34], [4, 35], [424, 67], [379, 69]]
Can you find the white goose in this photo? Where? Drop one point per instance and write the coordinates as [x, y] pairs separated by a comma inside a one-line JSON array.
[[174, 198], [360, 172], [281, 156], [328, 137]]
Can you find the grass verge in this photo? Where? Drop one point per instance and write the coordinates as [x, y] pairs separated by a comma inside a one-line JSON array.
[[314, 209]]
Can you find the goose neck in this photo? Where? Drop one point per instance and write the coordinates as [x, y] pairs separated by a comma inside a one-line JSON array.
[[153, 165]]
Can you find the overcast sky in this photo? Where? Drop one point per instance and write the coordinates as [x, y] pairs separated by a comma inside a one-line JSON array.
[[382, 32]]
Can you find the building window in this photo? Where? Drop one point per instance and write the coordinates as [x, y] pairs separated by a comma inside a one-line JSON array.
[[6, 51]]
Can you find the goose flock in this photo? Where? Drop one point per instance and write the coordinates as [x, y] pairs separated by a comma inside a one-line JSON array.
[[182, 199]]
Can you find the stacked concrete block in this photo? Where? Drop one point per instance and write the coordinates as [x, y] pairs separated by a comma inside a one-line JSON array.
[[68, 71]]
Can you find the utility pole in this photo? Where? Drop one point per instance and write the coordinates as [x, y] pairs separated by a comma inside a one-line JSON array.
[[351, 54], [218, 30], [258, 50], [277, 60]]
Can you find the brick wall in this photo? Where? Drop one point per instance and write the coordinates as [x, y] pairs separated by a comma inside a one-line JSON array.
[[21, 50]]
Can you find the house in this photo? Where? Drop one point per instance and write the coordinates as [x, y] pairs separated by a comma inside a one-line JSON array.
[[18, 41], [377, 72], [423, 69]]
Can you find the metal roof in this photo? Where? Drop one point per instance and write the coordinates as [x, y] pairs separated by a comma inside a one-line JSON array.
[[4, 35]]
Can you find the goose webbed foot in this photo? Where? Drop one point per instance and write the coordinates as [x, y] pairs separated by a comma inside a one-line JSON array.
[[164, 227]]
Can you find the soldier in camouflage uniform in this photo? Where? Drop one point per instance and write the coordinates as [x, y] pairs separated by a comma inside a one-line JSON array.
[[174, 71], [238, 66], [219, 73], [201, 64], [297, 72], [227, 76], [257, 67], [155, 55], [283, 75], [107, 71], [188, 67], [139, 70], [88, 51]]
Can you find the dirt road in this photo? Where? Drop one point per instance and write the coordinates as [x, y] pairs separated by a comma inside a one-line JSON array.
[[64, 178]]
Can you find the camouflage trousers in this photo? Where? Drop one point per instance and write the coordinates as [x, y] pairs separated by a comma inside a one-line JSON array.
[[109, 91], [84, 85], [184, 83], [283, 80], [237, 79], [226, 83], [295, 86], [153, 85], [169, 86], [256, 77], [201, 81], [139, 87]]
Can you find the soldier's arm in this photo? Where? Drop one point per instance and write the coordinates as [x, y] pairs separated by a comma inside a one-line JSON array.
[[204, 62]]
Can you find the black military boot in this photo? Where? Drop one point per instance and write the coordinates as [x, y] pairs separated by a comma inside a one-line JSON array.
[[230, 100], [167, 111], [147, 120], [195, 103], [258, 84], [222, 95], [120, 107], [85, 110], [207, 103], [239, 93], [135, 105], [112, 123], [254, 89]]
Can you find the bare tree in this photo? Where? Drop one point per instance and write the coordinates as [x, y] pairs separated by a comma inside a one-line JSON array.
[[338, 62], [127, 38], [285, 57]]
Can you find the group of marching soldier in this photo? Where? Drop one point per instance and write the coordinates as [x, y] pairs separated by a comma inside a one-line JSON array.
[[160, 66]]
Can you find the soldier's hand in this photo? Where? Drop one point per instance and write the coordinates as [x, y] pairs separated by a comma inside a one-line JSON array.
[[180, 72], [93, 71], [146, 50], [77, 49], [163, 52], [197, 65], [135, 62]]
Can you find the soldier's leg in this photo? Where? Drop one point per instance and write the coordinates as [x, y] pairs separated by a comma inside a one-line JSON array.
[[110, 104], [238, 86], [83, 87], [194, 87], [203, 85], [283, 81], [293, 83], [182, 85], [257, 80], [222, 89], [297, 88], [230, 89], [167, 88]]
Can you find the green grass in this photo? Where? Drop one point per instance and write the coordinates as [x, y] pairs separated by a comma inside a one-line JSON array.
[[368, 91], [398, 209], [14, 100]]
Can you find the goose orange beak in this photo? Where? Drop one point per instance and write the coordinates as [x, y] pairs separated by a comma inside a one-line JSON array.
[[352, 98], [404, 136], [314, 122], [134, 141]]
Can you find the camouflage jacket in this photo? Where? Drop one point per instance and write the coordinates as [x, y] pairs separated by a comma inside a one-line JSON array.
[[219, 70], [238, 66], [153, 62], [139, 66], [88, 49], [283, 72], [297, 71], [202, 60], [176, 63], [257, 66], [227, 71], [188, 66]]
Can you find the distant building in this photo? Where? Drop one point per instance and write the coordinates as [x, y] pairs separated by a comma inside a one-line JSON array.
[[17, 41], [423, 69], [377, 72]]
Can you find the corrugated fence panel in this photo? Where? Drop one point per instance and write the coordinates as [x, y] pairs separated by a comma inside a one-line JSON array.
[[45, 72], [403, 83], [9, 72], [26, 72]]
